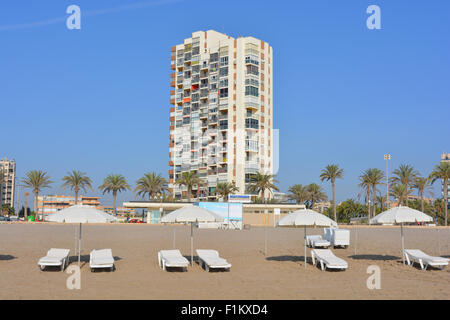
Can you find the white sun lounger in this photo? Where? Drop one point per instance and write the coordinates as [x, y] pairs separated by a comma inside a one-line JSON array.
[[424, 260], [327, 259], [210, 259], [55, 258], [172, 259], [100, 259], [317, 241]]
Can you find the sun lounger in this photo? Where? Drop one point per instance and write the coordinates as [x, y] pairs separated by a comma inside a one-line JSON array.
[[337, 237], [210, 259], [317, 241], [100, 259], [55, 258], [172, 259], [424, 260], [327, 259]]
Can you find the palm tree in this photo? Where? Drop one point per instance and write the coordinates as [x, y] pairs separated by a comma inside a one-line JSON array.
[[442, 172], [422, 185], [400, 192], [331, 173], [375, 177], [405, 174], [315, 194], [261, 182], [151, 184], [381, 200], [298, 193], [36, 180], [114, 183], [225, 188], [190, 180], [77, 181], [365, 185], [438, 209]]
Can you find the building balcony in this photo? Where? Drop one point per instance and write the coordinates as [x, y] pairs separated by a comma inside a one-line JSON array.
[[251, 167]]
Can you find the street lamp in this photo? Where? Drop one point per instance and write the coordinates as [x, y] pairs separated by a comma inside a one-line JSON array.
[[387, 157]]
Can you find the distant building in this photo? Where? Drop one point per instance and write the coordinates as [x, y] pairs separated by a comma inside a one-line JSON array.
[[7, 189], [121, 211], [53, 203], [414, 197], [280, 197], [321, 206]]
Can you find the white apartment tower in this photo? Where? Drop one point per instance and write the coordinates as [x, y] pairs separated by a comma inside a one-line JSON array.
[[7, 185], [221, 114]]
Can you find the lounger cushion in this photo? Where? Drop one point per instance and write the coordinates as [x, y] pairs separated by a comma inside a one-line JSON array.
[[54, 257], [102, 257], [212, 258], [329, 259], [173, 258], [419, 254], [51, 261]]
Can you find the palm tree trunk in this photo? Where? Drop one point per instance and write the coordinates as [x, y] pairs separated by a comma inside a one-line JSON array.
[[76, 196], [334, 201], [374, 198], [368, 201], [114, 201], [421, 198], [35, 202], [406, 195]]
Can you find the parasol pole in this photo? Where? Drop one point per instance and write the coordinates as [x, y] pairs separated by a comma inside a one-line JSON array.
[[174, 236], [403, 244], [76, 241], [305, 245], [79, 246], [192, 244], [439, 242]]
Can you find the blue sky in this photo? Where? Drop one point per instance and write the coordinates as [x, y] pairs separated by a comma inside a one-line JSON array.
[[97, 99]]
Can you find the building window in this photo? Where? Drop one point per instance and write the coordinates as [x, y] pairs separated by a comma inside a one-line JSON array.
[[223, 61], [224, 92], [251, 59], [224, 83], [251, 91], [252, 70], [223, 72], [251, 123]]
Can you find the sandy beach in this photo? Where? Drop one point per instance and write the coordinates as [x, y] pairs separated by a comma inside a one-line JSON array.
[[279, 275]]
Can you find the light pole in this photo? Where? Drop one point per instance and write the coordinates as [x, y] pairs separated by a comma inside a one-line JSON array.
[[387, 157]]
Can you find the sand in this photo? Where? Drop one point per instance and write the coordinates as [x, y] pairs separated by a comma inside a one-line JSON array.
[[279, 275]]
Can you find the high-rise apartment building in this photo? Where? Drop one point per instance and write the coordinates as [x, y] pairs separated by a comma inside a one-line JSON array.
[[221, 114], [7, 184]]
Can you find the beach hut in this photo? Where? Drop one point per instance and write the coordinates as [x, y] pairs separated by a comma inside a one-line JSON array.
[[305, 218], [191, 214], [401, 215], [80, 214]]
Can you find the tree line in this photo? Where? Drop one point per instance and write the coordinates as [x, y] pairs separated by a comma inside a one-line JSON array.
[[404, 180]]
